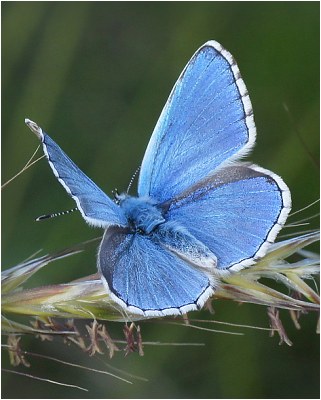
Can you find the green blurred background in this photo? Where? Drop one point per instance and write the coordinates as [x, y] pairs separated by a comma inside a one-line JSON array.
[[96, 75]]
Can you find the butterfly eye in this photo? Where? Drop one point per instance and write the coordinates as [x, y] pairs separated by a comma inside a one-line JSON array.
[[116, 195]]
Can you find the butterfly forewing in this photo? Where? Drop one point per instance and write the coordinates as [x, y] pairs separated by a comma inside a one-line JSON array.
[[206, 121], [96, 207]]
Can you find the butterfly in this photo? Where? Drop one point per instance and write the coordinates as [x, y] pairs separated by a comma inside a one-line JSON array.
[[200, 212]]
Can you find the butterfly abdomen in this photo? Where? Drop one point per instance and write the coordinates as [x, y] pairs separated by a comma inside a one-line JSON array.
[[177, 239]]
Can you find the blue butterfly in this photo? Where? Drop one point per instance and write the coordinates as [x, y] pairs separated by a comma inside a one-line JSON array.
[[200, 212]]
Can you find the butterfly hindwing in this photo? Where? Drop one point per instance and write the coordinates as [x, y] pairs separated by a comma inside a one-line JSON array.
[[144, 277], [236, 213], [207, 120]]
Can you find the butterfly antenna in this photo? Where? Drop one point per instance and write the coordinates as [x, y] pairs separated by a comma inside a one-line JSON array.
[[47, 216], [132, 179]]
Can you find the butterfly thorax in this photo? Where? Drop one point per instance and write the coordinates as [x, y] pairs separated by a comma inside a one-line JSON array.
[[142, 214], [145, 217]]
